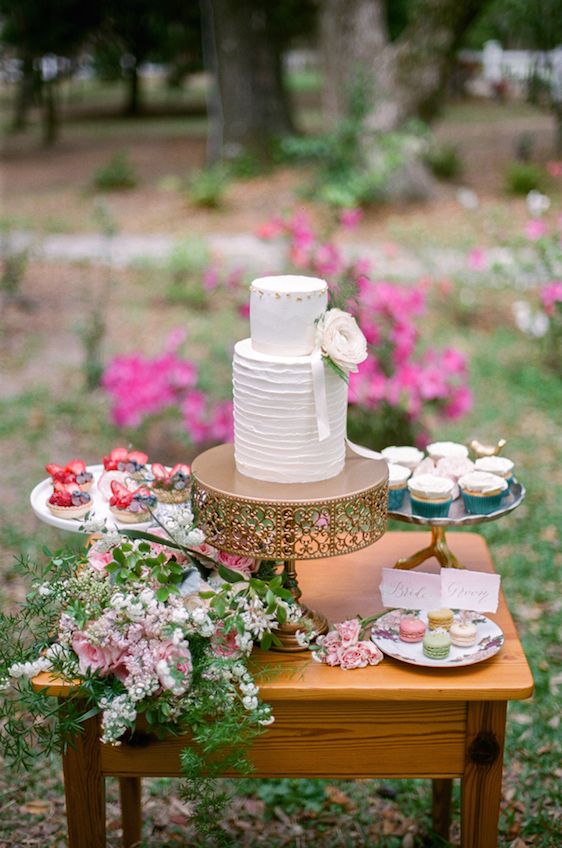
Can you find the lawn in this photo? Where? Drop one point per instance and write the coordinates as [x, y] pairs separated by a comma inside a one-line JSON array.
[[46, 413]]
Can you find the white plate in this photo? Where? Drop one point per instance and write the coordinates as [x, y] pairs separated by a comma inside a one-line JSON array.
[[385, 635], [100, 507]]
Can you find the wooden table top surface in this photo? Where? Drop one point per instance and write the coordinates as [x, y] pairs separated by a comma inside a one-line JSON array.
[[343, 587]]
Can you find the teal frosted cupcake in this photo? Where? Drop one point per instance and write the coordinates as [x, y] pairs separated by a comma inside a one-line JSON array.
[[436, 644], [482, 492], [397, 485], [431, 496], [501, 466]]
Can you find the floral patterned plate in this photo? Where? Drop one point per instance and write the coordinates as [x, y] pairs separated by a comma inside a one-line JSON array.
[[489, 640]]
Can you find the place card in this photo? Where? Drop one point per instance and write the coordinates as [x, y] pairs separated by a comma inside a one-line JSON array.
[[410, 589], [452, 587], [473, 590]]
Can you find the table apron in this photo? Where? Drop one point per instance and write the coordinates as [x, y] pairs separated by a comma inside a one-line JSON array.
[[328, 739]]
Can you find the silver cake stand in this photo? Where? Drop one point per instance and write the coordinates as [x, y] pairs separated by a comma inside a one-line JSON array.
[[458, 517]]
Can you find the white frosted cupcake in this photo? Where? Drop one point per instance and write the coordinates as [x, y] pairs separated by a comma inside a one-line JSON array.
[[431, 496], [482, 492], [404, 455], [397, 485], [499, 465], [442, 450]]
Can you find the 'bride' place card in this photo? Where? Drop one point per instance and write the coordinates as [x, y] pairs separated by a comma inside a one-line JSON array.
[[453, 587]]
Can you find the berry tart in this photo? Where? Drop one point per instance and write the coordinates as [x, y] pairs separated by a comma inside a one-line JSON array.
[[68, 501], [171, 486], [131, 462], [74, 472], [131, 507]]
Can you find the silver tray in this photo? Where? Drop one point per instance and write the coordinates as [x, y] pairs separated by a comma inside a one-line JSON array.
[[457, 514]]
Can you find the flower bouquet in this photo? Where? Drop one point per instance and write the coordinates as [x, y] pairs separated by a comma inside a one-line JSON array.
[[154, 625]]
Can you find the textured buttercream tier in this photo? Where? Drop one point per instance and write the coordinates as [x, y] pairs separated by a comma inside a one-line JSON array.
[[275, 427], [284, 312]]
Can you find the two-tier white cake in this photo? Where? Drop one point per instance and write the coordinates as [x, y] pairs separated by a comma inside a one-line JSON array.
[[276, 404]]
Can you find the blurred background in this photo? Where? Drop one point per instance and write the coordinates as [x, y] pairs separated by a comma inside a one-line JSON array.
[[159, 154]]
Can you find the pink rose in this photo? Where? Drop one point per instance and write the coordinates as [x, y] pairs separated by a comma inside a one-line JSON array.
[[359, 655], [98, 560], [224, 643], [105, 659], [245, 565], [370, 651], [178, 658], [332, 658], [349, 631], [331, 641]]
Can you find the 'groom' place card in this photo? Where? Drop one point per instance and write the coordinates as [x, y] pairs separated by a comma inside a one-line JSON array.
[[471, 590], [453, 587], [410, 589]]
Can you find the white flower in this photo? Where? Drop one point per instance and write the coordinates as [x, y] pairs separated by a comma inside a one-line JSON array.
[[341, 339], [537, 203], [195, 538], [250, 702]]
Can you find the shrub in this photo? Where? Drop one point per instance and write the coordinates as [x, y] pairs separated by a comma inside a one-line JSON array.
[[119, 173], [444, 161], [523, 177], [185, 272], [207, 187]]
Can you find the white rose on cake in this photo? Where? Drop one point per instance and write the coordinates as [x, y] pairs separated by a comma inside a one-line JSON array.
[[341, 340]]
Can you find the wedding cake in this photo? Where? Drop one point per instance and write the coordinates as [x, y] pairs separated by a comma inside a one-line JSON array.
[[290, 382]]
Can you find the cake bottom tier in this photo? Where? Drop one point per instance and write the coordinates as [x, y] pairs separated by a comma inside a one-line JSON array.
[[275, 424]]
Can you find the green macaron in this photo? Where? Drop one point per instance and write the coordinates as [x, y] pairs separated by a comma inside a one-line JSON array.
[[437, 644]]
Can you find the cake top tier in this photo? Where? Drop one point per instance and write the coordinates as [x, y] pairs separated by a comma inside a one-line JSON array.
[[284, 312]]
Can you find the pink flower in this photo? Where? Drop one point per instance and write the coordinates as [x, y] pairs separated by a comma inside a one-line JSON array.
[[349, 631], [98, 560], [550, 295], [333, 658], [327, 260], [535, 229], [244, 310], [270, 229], [554, 169], [349, 218], [176, 338], [210, 279], [477, 260], [245, 565], [331, 642], [223, 642], [459, 403], [177, 658], [359, 655], [104, 659]]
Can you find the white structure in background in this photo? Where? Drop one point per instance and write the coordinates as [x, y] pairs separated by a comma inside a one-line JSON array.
[[517, 67]]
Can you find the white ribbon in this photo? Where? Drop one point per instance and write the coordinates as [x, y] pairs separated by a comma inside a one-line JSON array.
[[361, 451], [319, 389]]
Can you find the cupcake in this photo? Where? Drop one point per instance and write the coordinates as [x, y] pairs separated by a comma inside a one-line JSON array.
[[74, 472], [463, 634], [132, 462], [411, 629], [436, 644], [131, 507], [431, 496], [397, 485], [482, 492], [440, 450], [454, 467], [409, 457], [68, 501], [499, 465], [170, 486], [442, 618]]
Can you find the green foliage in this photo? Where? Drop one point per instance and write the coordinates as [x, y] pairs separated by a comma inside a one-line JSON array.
[[444, 160], [119, 173], [14, 264], [292, 796], [184, 270], [523, 177], [206, 188]]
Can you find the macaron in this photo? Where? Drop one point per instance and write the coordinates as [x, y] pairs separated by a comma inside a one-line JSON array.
[[397, 485], [482, 492], [440, 450], [436, 644], [411, 629], [442, 618], [404, 455], [431, 496], [463, 634]]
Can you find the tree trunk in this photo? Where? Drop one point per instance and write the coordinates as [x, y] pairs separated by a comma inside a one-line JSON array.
[[24, 94], [50, 113], [252, 107], [133, 105], [406, 77]]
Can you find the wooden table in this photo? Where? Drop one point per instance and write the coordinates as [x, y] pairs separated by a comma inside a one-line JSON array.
[[392, 720]]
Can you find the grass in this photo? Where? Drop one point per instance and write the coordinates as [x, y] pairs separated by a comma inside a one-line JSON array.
[[516, 397]]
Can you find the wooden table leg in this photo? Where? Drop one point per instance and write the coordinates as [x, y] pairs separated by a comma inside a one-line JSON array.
[[84, 789], [130, 791], [482, 779], [441, 806]]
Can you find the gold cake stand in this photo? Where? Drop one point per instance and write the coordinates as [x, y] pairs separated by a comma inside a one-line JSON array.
[[289, 521]]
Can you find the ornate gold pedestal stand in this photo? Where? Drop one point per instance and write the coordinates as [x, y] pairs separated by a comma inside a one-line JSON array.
[[288, 522]]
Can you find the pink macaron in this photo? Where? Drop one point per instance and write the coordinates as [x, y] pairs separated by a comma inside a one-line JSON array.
[[411, 629]]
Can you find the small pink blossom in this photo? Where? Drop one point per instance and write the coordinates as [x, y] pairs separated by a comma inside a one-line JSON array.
[[331, 642], [270, 229], [554, 169], [477, 260], [98, 559], [550, 295], [349, 631], [350, 218], [223, 642], [535, 229]]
